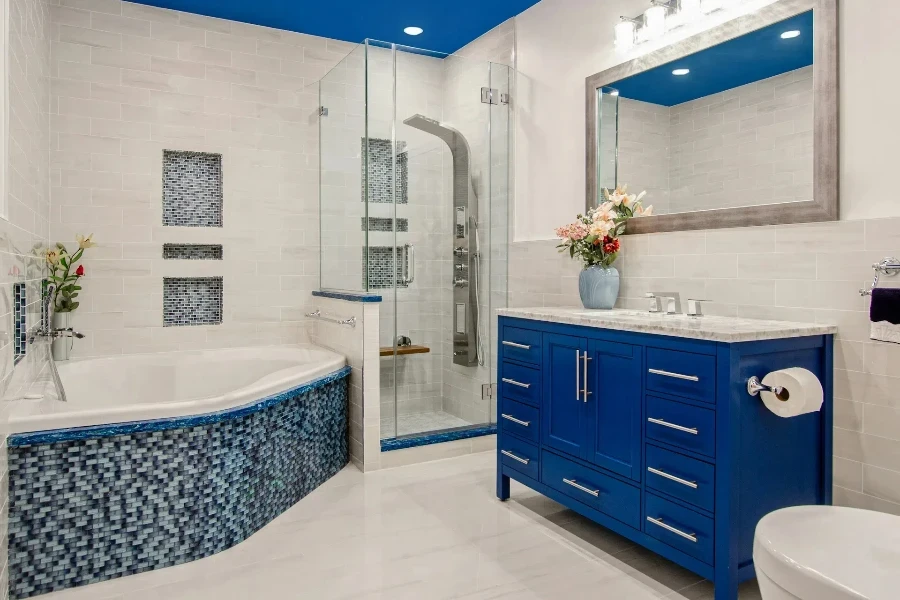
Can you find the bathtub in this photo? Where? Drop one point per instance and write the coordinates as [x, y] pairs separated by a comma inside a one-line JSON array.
[[162, 459], [141, 387]]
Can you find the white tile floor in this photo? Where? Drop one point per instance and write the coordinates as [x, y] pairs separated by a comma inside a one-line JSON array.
[[424, 532], [420, 423]]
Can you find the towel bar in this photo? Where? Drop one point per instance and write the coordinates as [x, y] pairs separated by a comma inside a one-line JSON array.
[[351, 322]]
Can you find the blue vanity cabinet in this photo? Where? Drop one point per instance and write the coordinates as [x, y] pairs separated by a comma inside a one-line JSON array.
[[656, 437]]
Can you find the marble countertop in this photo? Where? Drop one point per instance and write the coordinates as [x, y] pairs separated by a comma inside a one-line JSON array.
[[712, 328]]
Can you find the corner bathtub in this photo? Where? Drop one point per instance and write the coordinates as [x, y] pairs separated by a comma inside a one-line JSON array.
[[161, 459]]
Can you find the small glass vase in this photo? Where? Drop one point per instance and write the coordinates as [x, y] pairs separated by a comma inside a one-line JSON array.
[[599, 287], [61, 348]]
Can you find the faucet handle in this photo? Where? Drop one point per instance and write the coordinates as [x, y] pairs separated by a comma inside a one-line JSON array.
[[654, 305], [694, 308]]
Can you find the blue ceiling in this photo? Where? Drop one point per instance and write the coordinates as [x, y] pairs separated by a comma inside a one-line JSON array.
[[448, 25], [757, 55]]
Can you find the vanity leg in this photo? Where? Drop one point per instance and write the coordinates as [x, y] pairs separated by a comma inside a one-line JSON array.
[[502, 486], [726, 588]]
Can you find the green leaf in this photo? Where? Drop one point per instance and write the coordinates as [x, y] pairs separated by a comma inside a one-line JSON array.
[[74, 306]]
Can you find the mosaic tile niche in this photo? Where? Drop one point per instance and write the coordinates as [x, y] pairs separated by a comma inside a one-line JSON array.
[[192, 301], [192, 189], [385, 224], [87, 510], [381, 264], [381, 174], [192, 251]]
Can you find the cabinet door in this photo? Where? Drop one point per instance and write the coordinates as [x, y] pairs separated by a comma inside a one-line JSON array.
[[614, 407], [563, 410]]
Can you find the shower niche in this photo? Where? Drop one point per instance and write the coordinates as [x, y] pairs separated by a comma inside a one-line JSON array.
[[408, 134]]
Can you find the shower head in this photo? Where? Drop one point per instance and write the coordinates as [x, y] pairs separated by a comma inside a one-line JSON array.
[[450, 136]]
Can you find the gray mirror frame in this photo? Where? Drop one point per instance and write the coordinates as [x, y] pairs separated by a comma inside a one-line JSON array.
[[826, 184]]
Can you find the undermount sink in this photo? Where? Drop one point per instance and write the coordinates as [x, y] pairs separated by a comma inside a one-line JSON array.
[[600, 313]]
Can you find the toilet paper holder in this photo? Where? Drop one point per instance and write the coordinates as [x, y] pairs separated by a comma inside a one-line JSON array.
[[755, 386]]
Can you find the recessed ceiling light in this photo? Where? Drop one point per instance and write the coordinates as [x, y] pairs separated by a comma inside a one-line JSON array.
[[681, 71], [413, 30], [790, 34]]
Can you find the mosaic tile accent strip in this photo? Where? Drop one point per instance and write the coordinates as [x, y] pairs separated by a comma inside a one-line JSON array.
[[192, 189], [20, 330], [86, 511], [385, 224], [192, 251], [436, 438], [192, 301], [380, 266], [381, 174]]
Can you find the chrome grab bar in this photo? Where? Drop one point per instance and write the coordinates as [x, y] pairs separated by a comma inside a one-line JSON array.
[[690, 484], [515, 345], [524, 461], [317, 314], [516, 383], [674, 375], [574, 484], [691, 430], [515, 420], [659, 523]]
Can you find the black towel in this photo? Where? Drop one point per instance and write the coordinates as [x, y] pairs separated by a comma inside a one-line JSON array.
[[885, 305]]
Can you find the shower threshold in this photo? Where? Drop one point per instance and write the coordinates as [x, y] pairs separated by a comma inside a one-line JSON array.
[[426, 438]]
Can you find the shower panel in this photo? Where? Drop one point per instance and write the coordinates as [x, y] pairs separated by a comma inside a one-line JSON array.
[[466, 249]]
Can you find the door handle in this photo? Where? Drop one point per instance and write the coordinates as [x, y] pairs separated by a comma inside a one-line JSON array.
[[586, 358], [524, 461], [659, 523], [690, 484], [673, 375], [515, 420], [515, 345], [516, 383], [690, 430], [577, 486]]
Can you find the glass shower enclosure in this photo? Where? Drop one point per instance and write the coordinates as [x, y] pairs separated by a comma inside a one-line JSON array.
[[414, 195]]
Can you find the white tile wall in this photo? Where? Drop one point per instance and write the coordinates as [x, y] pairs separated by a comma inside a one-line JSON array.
[[747, 146], [26, 231], [794, 272], [129, 81]]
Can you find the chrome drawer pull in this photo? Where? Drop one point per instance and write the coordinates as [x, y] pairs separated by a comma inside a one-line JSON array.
[[692, 431], [517, 421], [690, 484], [674, 375], [516, 383], [687, 536], [594, 493], [524, 461], [515, 345]]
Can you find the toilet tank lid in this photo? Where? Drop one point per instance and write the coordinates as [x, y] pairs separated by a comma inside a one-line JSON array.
[[830, 552]]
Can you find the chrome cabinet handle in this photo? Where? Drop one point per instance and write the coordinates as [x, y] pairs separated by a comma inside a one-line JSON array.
[[516, 383], [524, 461], [690, 484], [585, 390], [574, 484], [690, 430], [659, 523], [578, 375], [515, 420], [515, 345], [673, 375]]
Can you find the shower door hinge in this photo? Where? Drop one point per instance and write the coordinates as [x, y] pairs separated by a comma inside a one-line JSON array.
[[323, 111], [487, 390], [493, 96]]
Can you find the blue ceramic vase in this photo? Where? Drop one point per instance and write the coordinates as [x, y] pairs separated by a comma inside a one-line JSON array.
[[599, 287]]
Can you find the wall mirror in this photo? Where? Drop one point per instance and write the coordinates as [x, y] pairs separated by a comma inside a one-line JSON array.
[[735, 126]]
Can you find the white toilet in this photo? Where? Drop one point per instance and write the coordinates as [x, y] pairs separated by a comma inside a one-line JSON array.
[[827, 553]]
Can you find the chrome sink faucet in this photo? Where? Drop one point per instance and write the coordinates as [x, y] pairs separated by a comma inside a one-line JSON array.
[[665, 302]]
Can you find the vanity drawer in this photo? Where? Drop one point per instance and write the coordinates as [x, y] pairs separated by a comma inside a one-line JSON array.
[[682, 374], [679, 527], [519, 455], [606, 494], [520, 383], [681, 476], [520, 419], [683, 425], [523, 345]]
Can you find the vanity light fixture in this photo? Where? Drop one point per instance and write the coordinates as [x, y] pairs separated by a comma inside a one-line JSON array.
[[655, 22], [625, 31], [681, 72], [787, 35], [663, 16], [413, 30]]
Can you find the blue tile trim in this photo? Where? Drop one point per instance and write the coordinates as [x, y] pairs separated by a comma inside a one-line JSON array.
[[437, 438], [348, 296], [101, 431]]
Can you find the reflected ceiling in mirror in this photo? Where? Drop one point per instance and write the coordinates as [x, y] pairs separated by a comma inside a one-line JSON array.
[[729, 126]]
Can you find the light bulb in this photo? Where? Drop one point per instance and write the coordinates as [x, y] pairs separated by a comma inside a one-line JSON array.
[[625, 35], [655, 22]]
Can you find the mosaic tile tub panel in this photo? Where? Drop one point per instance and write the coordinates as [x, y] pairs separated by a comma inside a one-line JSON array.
[[87, 510], [192, 189]]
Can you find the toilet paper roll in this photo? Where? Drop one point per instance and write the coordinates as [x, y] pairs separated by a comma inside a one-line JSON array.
[[802, 393]]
